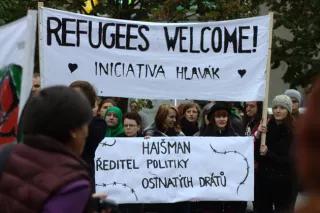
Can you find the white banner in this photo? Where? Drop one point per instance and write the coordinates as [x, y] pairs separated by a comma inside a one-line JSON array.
[[17, 41], [223, 60], [172, 169]]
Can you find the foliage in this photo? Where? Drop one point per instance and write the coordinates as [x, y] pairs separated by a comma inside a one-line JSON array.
[[11, 10], [177, 10], [302, 53]]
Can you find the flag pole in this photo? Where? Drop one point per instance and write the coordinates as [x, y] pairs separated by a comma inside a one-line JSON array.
[[265, 102]]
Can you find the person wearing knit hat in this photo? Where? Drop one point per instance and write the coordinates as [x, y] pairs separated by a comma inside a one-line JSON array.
[[276, 184], [284, 101], [296, 101]]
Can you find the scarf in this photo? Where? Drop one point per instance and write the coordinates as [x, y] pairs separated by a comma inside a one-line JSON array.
[[118, 129]]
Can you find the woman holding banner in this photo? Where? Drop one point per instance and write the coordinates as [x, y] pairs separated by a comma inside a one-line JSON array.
[[252, 118], [132, 128], [166, 124], [220, 126], [275, 175], [132, 124]]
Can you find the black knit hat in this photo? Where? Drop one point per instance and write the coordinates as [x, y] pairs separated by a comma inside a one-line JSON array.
[[219, 105]]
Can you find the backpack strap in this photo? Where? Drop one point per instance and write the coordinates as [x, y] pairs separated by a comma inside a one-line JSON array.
[[4, 155]]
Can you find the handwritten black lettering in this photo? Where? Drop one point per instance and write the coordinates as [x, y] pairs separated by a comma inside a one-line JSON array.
[[213, 180], [68, 32], [125, 70], [167, 164], [166, 147], [121, 164], [167, 182], [186, 73], [221, 39]]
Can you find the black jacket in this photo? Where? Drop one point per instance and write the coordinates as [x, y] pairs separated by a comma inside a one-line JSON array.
[[213, 131], [189, 128], [278, 161], [97, 130]]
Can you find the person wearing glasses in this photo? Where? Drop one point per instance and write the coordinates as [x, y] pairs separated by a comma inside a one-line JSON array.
[[132, 124], [132, 128]]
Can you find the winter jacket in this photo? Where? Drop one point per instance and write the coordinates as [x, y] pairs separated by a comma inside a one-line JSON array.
[[189, 128], [278, 161], [212, 131], [97, 129], [36, 171], [153, 131]]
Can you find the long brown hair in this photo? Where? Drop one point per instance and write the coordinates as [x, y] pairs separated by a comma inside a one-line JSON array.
[[161, 116]]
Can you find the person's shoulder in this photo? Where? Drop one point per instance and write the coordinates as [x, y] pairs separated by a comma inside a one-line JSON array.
[[149, 130], [122, 134], [72, 197], [180, 133], [98, 122]]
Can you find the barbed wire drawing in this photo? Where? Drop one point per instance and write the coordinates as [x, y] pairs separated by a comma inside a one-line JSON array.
[[117, 184], [243, 157]]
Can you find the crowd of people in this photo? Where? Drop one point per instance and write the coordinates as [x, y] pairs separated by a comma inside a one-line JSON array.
[[62, 126]]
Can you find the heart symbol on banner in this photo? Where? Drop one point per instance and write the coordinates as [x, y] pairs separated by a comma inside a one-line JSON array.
[[242, 72], [72, 67]]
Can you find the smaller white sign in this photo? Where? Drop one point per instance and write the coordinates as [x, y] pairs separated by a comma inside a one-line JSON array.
[[173, 169]]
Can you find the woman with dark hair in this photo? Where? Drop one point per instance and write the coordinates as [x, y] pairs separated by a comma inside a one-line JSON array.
[[220, 126], [252, 117], [189, 121], [97, 126], [307, 152], [87, 89], [113, 117], [45, 173], [165, 122], [275, 174], [219, 121], [104, 105], [204, 118]]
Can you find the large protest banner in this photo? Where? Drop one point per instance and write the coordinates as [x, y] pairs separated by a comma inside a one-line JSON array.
[[17, 41], [172, 169], [223, 60]]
